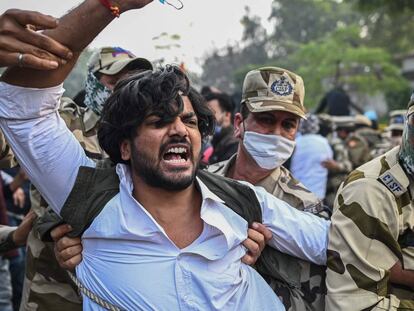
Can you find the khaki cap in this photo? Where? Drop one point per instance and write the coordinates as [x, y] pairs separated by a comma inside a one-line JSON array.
[[360, 119], [273, 88], [397, 120], [111, 60], [344, 121]]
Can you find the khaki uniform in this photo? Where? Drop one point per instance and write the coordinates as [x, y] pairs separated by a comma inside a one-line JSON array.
[[4, 233], [335, 178], [308, 293], [358, 150], [46, 285], [384, 146], [372, 228]]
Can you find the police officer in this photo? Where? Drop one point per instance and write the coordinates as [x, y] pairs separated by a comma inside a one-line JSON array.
[[271, 108], [392, 134], [340, 166], [371, 249]]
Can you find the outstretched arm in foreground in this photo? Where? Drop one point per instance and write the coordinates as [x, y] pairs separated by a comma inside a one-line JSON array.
[[29, 100], [75, 30]]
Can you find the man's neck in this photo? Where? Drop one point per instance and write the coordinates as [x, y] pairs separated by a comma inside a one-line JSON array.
[[246, 169], [177, 212]]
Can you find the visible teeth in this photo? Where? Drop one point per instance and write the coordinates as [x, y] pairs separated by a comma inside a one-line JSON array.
[[177, 150], [176, 160]]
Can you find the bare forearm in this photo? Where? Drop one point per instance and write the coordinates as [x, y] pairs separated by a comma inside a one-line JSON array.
[[401, 276], [76, 30]]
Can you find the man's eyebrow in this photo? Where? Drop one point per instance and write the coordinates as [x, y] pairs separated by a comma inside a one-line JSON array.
[[187, 115], [291, 120]]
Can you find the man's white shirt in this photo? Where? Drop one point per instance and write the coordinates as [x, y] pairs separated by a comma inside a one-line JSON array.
[[127, 257]]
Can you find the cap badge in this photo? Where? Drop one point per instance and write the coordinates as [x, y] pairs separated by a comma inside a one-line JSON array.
[[282, 87]]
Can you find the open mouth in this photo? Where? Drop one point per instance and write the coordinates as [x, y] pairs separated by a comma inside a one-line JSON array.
[[176, 155]]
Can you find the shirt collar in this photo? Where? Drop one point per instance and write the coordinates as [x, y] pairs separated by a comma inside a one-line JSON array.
[[214, 212], [206, 194], [229, 163]]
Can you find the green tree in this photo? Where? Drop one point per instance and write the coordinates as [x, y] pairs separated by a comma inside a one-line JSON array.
[[387, 23], [342, 58], [301, 21], [391, 6]]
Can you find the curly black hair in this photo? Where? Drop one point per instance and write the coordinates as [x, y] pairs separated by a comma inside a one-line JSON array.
[[145, 94]]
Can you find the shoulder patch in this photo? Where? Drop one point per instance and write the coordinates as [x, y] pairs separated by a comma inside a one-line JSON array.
[[389, 180]]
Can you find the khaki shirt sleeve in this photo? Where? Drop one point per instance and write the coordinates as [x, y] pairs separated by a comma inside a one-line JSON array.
[[362, 248], [4, 243], [342, 158]]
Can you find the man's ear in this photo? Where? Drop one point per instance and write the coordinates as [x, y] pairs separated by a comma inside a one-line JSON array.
[[125, 149], [238, 126]]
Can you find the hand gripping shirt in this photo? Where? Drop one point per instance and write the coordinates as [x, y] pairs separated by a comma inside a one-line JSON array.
[[299, 283], [127, 258]]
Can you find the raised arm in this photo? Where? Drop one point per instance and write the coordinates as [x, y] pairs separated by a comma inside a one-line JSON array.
[[29, 101], [75, 30]]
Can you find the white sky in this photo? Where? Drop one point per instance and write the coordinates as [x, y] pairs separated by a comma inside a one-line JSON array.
[[202, 25]]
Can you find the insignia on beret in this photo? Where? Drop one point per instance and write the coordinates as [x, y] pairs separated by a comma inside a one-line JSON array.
[[282, 87]]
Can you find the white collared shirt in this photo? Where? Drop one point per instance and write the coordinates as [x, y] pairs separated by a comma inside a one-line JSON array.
[[127, 258]]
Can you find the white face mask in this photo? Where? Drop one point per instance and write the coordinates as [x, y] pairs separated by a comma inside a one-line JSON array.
[[269, 151]]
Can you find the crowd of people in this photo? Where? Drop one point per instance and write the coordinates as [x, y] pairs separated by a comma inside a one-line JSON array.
[[147, 194]]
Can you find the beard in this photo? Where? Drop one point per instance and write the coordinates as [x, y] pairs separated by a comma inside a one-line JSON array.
[[145, 166]]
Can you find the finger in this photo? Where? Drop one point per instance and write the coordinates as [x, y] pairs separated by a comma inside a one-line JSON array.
[[43, 42], [248, 259], [70, 252], [66, 242], [58, 232], [46, 43], [30, 61], [13, 45], [252, 247], [30, 217], [39, 20], [263, 230], [20, 202], [257, 237], [72, 263]]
